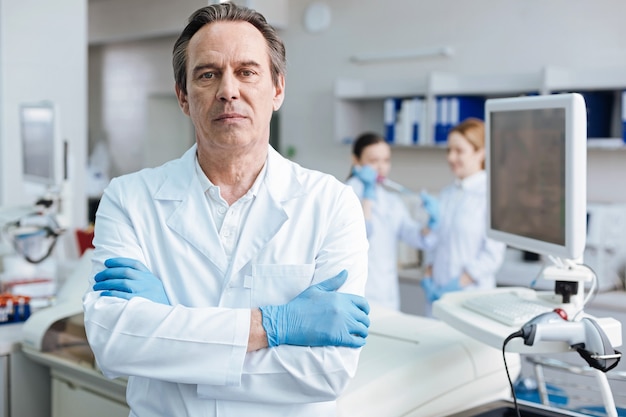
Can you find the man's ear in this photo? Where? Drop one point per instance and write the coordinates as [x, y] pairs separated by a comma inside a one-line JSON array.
[[182, 100], [279, 93]]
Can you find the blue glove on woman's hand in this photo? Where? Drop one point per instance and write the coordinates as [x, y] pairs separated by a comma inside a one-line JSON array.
[[431, 291], [368, 177], [127, 278], [319, 316], [431, 205], [434, 292]]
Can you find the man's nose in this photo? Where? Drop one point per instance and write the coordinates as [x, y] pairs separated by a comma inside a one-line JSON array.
[[228, 88]]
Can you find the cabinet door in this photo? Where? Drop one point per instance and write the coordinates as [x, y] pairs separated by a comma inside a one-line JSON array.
[[69, 400], [4, 386]]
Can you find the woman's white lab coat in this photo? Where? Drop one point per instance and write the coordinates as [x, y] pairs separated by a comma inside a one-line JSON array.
[[460, 242], [189, 359], [391, 223]]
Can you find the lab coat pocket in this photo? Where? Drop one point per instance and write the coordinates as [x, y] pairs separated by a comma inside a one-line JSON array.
[[279, 284]]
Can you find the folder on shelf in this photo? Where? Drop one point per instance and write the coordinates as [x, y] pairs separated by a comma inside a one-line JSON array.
[[390, 117], [599, 110], [441, 116], [418, 117], [404, 121], [463, 107], [624, 116], [451, 111]]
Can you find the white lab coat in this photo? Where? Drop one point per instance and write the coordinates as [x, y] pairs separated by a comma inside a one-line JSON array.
[[391, 222], [189, 359], [460, 242]]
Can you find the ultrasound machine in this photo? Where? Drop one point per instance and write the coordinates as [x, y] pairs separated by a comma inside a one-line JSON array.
[[536, 165]]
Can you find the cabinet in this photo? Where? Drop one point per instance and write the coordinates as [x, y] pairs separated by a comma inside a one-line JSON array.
[[359, 104], [24, 384], [4, 386], [72, 397]]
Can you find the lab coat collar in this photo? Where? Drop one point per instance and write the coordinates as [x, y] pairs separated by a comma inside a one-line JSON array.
[[473, 182], [268, 213], [265, 219], [189, 219]]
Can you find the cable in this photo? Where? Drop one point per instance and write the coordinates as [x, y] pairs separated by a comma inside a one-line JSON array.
[[39, 227], [593, 291], [539, 275], [510, 337]]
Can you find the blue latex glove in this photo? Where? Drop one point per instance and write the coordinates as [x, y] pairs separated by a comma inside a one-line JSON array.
[[127, 278], [431, 205], [368, 177], [430, 289], [434, 292], [319, 316]]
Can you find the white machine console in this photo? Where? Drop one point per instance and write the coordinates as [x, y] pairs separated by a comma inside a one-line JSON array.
[[421, 367], [452, 310]]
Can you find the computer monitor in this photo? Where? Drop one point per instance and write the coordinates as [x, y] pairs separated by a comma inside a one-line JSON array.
[[536, 163], [40, 143]]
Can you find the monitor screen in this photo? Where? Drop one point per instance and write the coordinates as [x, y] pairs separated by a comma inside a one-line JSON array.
[[39, 143], [536, 164]]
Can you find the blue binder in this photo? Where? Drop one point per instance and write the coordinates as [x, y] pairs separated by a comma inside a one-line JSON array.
[[453, 110], [391, 108], [441, 117], [599, 109], [468, 106], [624, 116], [418, 114]]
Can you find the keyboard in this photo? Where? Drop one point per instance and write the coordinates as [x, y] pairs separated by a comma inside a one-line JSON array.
[[506, 307]]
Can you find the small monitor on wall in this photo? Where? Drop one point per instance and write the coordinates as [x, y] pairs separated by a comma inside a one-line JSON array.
[[536, 162], [40, 143]]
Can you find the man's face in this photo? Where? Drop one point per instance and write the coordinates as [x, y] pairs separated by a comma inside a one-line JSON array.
[[230, 94]]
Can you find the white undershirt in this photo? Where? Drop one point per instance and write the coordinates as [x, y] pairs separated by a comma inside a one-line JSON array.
[[228, 220]]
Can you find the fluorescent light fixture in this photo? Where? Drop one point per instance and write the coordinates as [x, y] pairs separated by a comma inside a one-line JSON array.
[[443, 51]]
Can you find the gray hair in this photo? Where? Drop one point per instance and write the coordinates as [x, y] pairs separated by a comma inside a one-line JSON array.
[[233, 13]]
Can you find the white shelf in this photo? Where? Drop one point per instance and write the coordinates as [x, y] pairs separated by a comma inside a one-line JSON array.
[[556, 79], [606, 143], [349, 89], [491, 84], [359, 103]]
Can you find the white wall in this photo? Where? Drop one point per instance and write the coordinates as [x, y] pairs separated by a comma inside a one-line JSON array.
[[43, 56], [129, 74], [488, 36], [120, 20]]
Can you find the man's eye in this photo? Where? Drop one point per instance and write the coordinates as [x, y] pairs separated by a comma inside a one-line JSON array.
[[247, 73], [207, 75]]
